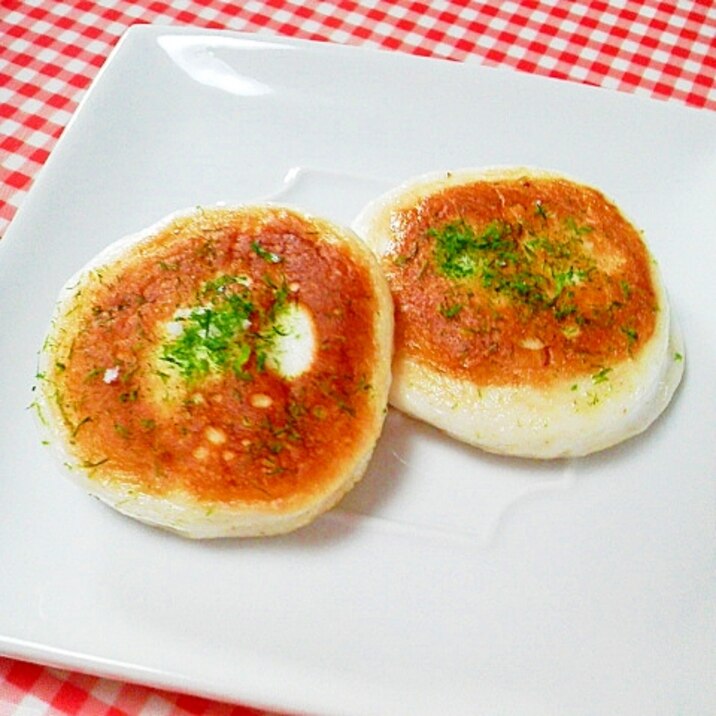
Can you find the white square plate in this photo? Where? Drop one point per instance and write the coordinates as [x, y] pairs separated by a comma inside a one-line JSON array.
[[448, 581]]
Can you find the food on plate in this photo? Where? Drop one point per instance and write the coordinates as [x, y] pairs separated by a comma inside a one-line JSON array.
[[530, 317], [223, 373]]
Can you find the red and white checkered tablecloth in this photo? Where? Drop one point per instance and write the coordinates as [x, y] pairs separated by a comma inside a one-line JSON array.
[[50, 51]]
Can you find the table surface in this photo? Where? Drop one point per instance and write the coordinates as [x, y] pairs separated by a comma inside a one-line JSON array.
[[50, 51]]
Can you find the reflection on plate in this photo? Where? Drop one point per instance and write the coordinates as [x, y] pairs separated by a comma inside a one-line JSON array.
[[449, 578]]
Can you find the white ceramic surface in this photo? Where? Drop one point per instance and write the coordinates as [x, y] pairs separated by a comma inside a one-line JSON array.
[[448, 581]]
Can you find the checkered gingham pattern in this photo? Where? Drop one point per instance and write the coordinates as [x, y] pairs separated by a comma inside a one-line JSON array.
[[32, 690], [50, 50]]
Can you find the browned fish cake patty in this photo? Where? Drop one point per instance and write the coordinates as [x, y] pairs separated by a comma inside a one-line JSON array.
[[530, 317], [162, 380]]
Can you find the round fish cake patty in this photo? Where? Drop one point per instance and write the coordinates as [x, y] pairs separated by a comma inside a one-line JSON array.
[[224, 373], [530, 318]]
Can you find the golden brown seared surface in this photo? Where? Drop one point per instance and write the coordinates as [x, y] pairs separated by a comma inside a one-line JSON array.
[[520, 280], [162, 364]]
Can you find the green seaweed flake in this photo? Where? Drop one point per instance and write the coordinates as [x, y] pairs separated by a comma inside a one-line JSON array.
[[226, 330], [213, 335], [532, 270]]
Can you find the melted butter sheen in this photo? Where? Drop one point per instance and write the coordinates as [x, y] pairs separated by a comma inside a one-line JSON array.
[[237, 427], [530, 280]]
